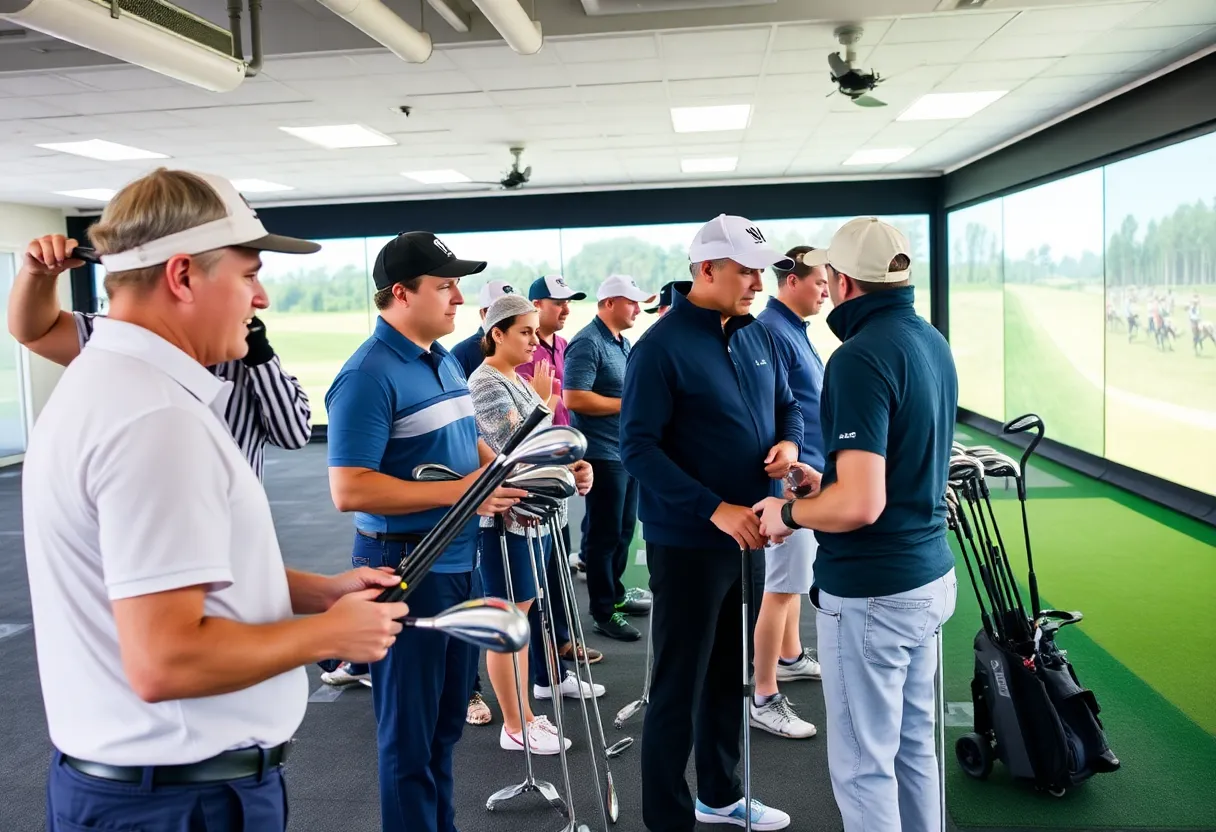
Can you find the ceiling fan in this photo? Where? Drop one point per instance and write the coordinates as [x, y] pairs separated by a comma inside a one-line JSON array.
[[850, 81], [515, 177]]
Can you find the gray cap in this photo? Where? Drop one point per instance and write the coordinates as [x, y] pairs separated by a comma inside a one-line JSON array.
[[505, 307]]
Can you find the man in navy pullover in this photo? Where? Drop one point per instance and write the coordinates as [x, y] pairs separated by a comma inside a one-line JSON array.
[[884, 574], [708, 427]]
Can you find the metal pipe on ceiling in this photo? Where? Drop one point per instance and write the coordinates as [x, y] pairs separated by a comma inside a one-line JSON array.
[[382, 25], [522, 33]]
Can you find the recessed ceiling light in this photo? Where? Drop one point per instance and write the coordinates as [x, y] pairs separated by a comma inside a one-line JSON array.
[[259, 186], [103, 150], [719, 165], [436, 177], [99, 194], [878, 156], [940, 105], [707, 119], [338, 136]]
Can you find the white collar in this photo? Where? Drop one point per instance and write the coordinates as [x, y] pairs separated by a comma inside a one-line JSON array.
[[141, 343]]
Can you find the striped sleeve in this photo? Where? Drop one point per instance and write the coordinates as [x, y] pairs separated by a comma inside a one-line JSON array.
[[285, 410]]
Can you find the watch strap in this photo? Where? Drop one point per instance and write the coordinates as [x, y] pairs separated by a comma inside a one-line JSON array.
[[787, 515]]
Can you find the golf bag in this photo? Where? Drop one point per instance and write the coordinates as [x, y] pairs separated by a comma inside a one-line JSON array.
[[1035, 717]]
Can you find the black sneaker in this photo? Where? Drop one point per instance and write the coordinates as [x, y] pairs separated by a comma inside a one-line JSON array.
[[618, 628], [635, 603]]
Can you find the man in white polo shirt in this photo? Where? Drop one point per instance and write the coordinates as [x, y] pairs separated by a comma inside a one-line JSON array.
[[170, 661]]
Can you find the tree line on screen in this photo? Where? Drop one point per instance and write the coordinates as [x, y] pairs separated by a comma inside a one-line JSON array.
[[651, 265], [1178, 250]]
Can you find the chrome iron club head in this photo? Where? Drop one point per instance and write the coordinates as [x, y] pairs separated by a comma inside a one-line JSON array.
[[490, 623]]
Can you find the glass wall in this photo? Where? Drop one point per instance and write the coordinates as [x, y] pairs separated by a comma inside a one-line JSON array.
[[12, 380], [1090, 301], [321, 304]]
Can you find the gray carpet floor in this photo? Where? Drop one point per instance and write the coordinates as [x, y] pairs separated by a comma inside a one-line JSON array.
[[332, 772]]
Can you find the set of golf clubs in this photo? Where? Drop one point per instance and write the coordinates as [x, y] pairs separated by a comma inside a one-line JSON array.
[[548, 486]]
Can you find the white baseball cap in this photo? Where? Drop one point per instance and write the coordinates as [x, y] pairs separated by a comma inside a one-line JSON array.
[[622, 286], [492, 291], [241, 227], [863, 248], [728, 237]]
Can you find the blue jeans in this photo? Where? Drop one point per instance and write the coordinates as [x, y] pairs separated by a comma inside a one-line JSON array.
[[880, 659], [76, 802]]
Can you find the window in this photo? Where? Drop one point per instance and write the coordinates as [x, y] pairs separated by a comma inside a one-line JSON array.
[[12, 379], [977, 304]]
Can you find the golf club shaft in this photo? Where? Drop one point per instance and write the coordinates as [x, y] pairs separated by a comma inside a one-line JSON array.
[[1013, 584], [748, 691], [962, 546], [520, 683]]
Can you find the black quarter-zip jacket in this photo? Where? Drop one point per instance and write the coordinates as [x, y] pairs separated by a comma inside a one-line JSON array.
[[701, 407]]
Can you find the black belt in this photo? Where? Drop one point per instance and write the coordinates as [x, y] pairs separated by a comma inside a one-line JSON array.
[[391, 537], [229, 765]]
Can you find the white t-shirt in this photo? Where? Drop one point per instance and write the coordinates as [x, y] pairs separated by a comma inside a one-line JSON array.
[[133, 485]]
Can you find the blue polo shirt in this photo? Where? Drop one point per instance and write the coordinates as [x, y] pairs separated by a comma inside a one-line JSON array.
[[701, 408], [890, 389], [804, 371], [595, 362], [468, 352], [391, 408]]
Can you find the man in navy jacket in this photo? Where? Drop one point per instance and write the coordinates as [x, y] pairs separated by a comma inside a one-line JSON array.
[[708, 428]]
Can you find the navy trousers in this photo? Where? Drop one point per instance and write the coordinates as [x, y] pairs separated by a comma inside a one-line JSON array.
[[420, 692], [76, 802]]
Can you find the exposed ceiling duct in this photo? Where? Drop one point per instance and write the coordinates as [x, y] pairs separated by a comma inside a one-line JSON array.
[[381, 24], [157, 35], [521, 32]]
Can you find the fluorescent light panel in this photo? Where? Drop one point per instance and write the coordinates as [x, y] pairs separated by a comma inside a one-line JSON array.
[[98, 194], [259, 186], [103, 150], [339, 136], [943, 105], [710, 119], [437, 177], [878, 156], [722, 164]]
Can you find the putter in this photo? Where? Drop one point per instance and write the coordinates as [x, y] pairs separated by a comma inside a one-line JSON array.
[[542, 787], [1020, 425], [545, 508], [550, 642], [627, 712], [559, 445], [491, 623]]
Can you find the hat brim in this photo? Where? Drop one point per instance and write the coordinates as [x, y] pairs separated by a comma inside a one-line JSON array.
[[637, 297], [283, 245], [458, 268], [816, 257], [764, 258], [572, 296]]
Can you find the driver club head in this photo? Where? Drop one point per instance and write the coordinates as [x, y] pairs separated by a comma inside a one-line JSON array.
[[554, 481], [434, 472], [554, 445], [490, 623]]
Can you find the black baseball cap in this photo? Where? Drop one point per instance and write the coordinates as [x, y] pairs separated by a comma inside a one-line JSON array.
[[664, 297], [417, 253]]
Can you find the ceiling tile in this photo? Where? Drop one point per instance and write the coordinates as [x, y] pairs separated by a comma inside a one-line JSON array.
[[1098, 64], [797, 62], [500, 56], [118, 80], [964, 25], [532, 77], [591, 50], [725, 43], [35, 85], [1002, 47], [1084, 18], [1175, 13], [542, 96], [983, 72], [649, 91], [818, 36], [1136, 40], [615, 73], [18, 108], [451, 101], [383, 62], [890, 59], [679, 91], [719, 66], [317, 68]]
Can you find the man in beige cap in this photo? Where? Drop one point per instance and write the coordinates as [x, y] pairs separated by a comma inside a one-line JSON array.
[[884, 574]]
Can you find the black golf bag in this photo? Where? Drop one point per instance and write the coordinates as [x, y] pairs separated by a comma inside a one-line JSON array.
[[1034, 716]]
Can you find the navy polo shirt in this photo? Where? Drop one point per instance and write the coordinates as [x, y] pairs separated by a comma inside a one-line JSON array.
[[595, 362], [468, 352], [701, 408], [890, 389], [391, 408], [804, 371]]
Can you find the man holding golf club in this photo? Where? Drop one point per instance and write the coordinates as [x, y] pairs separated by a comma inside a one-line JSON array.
[[708, 427], [884, 573], [400, 401]]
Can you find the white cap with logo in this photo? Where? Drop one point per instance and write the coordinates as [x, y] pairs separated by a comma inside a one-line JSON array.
[[622, 286], [492, 291], [240, 227], [728, 237], [863, 248]]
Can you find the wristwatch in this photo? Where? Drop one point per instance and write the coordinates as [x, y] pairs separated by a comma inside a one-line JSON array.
[[787, 515]]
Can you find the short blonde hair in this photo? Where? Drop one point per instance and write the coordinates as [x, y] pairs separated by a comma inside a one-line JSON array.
[[163, 202]]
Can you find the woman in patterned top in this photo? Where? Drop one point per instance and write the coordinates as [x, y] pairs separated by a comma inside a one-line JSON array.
[[501, 400]]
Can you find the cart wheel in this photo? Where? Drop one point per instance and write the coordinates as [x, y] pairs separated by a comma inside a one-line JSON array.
[[1056, 792], [974, 755]]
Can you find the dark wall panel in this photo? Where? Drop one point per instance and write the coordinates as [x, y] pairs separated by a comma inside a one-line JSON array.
[[1173, 105]]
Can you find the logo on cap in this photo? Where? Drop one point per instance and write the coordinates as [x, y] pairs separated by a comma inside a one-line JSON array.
[[756, 235], [561, 281], [508, 290], [439, 244]]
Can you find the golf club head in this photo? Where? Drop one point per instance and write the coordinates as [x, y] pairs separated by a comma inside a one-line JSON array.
[[979, 450], [999, 465], [964, 468], [491, 623], [618, 747], [434, 472], [554, 445], [1021, 424], [627, 712], [554, 481]]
